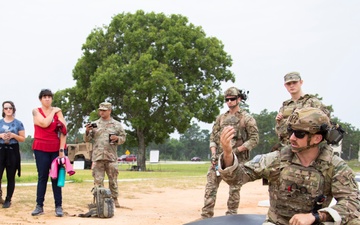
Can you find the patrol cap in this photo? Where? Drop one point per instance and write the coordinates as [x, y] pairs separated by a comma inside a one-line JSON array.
[[105, 106], [309, 119], [292, 76], [232, 91]]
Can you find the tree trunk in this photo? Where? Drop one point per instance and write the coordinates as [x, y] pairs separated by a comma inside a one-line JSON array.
[[141, 160]]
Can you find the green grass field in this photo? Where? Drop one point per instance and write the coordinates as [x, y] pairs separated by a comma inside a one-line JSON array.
[[154, 171]]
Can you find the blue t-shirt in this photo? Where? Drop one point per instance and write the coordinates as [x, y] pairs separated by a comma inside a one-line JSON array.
[[14, 127]]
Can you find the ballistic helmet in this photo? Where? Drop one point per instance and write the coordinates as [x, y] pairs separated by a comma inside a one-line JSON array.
[[312, 120], [232, 91]]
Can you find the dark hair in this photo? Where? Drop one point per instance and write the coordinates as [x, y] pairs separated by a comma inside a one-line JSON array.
[[45, 92], [12, 105]]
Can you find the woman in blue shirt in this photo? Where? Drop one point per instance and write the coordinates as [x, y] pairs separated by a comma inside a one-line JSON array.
[[11, 133]]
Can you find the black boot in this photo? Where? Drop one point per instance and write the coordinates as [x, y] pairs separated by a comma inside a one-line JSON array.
[[7, 203]]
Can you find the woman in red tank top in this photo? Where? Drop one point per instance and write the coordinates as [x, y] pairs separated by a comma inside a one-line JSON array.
[[49, 143]]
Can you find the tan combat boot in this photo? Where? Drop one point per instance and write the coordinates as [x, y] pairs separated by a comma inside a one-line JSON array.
[[116, 202]]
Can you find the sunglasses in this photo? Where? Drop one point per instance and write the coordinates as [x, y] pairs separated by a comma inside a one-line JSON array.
[[230, 99], [298, 133], [8, 108]]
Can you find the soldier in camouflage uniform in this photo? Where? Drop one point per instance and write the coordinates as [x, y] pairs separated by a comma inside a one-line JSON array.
[[108, 134], [303, 177], [293, 83], [245, 139]]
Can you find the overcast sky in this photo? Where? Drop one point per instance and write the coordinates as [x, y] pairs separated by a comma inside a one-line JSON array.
[[40, 43]]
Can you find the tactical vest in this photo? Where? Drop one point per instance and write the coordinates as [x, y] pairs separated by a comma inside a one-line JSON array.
[[297, 184], [238, 123]]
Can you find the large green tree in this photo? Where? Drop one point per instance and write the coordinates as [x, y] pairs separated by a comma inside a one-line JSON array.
[[158, 71], [267, 136], [196, 142], [350, 144], [171, 149], [26, 148]]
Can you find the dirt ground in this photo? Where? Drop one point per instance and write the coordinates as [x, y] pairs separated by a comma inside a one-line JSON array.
[[143, 203]]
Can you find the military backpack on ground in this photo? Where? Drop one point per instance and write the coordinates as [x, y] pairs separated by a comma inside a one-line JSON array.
[[103, 204]]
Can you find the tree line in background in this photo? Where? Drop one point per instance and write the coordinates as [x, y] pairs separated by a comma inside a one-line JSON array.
[[195, 141]]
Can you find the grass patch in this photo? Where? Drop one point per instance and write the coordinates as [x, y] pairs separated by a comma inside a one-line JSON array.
[[157, 174], [154, 171], [354, 164]]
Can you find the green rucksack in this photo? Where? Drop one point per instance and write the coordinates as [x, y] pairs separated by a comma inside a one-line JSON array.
[[103, 204]]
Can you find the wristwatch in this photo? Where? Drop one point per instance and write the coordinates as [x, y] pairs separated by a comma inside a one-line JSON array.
[[317, 217], [61, 150]]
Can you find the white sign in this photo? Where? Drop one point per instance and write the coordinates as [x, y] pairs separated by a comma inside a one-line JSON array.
[[154, 156], [79, 165]]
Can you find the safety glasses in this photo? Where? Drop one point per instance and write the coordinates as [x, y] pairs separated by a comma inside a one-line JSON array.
[[298, 133], [230, 99]]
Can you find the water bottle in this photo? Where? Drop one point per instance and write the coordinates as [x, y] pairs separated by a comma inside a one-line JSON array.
[[61, 176]]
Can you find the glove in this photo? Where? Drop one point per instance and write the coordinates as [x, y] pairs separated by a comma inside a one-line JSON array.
[[214, 159]]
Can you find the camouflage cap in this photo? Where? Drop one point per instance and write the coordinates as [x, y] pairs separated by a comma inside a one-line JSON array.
[[105, 106], [308, 119], [292, 76], [232, 91]]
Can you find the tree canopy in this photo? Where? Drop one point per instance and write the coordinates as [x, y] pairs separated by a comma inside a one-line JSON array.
[[158, 71], [267, 136]]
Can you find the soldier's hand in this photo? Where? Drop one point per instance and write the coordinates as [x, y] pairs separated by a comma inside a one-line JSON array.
[[114, 138], [302, 219], [214, 159], [241, 148], [88, 127], [225, 139], [279, 116]]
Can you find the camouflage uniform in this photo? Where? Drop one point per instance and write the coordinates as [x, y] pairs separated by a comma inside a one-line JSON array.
[[293, 188], [290, 105], [247, 135], [104, 154]]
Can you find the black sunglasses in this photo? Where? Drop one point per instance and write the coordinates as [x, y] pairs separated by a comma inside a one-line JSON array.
[[298, 133], [8, 108], [230, 99]]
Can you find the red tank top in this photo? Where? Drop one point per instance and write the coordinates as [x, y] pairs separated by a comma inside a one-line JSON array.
[[46, 139]]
